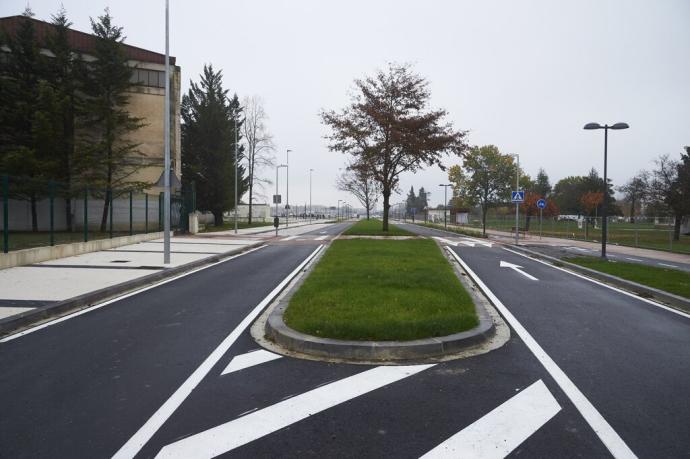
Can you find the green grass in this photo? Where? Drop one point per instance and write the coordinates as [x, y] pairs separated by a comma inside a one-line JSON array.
[[375, 228], [669, 280], [210, 228], [381, 290], [454, 229]]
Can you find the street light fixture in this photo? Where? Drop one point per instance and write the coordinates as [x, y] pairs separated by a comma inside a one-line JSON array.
[[604, 216], [276, 195], [445, 203]]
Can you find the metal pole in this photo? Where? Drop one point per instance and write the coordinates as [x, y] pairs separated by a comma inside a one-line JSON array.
[[5, 213], [130, 214], [110, 227], [445, 207], [166, 205], [146, 213], [51, 191], [86, 215], [517, 206], [603, 207], [310, 211], [287, 188], [276, 198], [540, 217], [235, 173]]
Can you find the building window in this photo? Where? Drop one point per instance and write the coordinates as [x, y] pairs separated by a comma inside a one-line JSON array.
[[151, 78]]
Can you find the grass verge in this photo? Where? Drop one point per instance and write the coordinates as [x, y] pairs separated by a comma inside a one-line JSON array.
[[669, 280], [374, 228], [381, 290], [455, 229]]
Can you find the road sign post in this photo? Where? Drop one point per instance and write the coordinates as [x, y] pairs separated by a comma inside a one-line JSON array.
[[517, 197], [541, 204]]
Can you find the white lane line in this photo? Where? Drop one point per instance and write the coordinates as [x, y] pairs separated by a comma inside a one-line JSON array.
[[516, 268], [144, 434], [289, 238], [122, 297], [320, 238], [613, 442], [503, 429], [233, 434], [632, 259], [447, 241], [610, 287], [250, 359], [667, 265]]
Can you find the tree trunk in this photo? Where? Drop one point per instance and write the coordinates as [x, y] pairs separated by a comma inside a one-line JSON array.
[[527, 219], [249, 215], [68, 212], [106, 206], [218, 217], [632, 211], [484, 210], [676, 227], [34, 215], [386, 206]]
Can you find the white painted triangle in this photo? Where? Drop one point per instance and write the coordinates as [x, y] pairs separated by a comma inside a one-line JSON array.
[[468, 243], [233, 434], [446, 241], [502, 430], [479, 241], [240, 362]]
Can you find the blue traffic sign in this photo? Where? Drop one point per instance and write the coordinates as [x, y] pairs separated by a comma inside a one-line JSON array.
[[517, 196], [541, 203]]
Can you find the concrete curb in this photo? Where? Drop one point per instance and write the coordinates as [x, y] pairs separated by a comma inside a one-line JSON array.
[[294, 341], [26, 319], [643, 291]]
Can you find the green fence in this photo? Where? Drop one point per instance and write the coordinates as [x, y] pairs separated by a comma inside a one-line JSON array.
[[39, 213]]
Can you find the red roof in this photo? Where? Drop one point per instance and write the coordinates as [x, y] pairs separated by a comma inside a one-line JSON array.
[[80, 41]]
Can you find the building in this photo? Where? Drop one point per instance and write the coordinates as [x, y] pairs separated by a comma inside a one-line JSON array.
[[146, 101]]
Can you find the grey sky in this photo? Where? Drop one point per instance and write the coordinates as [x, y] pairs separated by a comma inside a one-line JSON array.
[[523, 75]]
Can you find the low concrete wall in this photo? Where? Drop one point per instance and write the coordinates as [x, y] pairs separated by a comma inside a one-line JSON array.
[[38, 254]]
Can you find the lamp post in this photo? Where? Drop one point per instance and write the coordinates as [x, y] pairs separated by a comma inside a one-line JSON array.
[[517, 204], [310, 212], [235, 173], [338, 211], [604, 216], [166, 171], [445, 203], [287, 187], [276, 196]]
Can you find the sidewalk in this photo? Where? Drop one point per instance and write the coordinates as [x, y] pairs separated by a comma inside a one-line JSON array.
[[24, 289]]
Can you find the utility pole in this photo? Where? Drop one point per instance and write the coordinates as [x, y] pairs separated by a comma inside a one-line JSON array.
[[166, 169], [287, 188], [236, 173]]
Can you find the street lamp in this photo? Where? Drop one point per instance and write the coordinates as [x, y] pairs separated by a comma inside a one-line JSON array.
[[166, 160], [287, 188], [310, 212], [604, 216], [276, 195], [235, 115], [338, 211], [445, 203], [517, 204]]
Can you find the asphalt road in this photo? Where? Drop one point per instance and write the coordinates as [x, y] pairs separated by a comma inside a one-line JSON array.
[[117, 379]]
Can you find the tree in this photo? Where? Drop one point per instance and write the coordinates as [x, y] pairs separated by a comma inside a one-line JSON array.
[[362, 186], [635, 190], [389, 129], [422, 200], [260, 146], [542, 187], [209, 120], [671, 185], [107, 158], [530, 208], [484, 179], [411, 202]]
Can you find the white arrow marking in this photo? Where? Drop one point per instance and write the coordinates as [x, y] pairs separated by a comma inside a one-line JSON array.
[[446, 241], [479, 241], [233, 434], [503, 429], [240, 362], [468, 243], [517, 268]]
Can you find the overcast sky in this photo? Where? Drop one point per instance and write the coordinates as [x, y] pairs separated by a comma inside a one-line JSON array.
[[523, 75]]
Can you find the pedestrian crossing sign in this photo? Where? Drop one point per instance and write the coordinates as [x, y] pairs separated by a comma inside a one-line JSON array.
[[517, 196]]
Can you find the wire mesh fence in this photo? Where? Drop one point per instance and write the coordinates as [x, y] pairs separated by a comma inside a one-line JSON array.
[[39, 213]]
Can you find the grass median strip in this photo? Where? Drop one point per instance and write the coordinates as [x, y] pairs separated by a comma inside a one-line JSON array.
[[374, 228], [381, 290], [670, 280]]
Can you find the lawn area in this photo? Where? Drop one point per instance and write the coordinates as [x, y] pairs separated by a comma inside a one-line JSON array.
[[231, 226], [669, 280], [374, 228], [382, 290]]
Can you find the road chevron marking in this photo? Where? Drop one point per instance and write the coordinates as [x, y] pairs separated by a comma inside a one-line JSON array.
[[233, 434], [609, 437], [250, 359], [503, 429], [145, 432]]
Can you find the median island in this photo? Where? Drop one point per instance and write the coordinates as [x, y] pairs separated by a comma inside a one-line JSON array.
[[381, 290]]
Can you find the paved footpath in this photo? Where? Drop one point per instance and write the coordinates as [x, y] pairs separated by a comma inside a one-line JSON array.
[[24, 288]]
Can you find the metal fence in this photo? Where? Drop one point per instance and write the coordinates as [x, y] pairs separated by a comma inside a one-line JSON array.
[[39, 213]]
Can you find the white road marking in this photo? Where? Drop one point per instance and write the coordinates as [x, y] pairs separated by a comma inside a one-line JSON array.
[[289, 238], [250, 359], [632, 259], [320, 238], [144, 434], [580, 249], [322, 232], [613, 442], [667, 265], [503, 429], [446, 241], [479, 241], [516, 268], [122, 297], [610, 287], [233, 434], [468, 243]]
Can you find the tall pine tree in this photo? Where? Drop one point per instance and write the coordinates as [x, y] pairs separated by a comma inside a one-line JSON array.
[[209, 121]]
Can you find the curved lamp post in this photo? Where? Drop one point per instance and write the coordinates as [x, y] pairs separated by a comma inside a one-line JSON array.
[[604, 216]]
